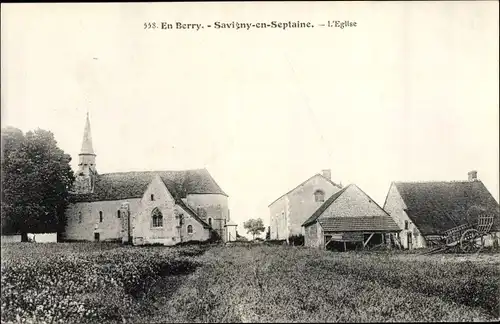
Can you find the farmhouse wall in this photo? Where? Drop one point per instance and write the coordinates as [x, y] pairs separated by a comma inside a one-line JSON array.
[[289, 212], [302, 201], [313, 236], [84, 227], [278, 226], [395, 206]]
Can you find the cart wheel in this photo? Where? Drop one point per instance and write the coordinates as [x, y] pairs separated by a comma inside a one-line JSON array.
[[449, 240], [469, 242]]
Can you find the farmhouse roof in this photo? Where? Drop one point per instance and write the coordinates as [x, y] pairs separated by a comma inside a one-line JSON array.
[[317, 174], [357, 224], [435, 207], [125, 185]]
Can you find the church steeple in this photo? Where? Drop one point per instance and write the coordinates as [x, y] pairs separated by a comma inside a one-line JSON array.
[[87, 139], [86, 158]]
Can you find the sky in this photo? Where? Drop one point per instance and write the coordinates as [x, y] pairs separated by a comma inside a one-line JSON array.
[[409, 94]]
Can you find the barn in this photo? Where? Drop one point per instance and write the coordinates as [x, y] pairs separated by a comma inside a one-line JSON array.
[[348, 220], [425, 210]]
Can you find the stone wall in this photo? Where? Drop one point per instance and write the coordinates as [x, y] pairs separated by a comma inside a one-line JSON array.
[[395, 206]]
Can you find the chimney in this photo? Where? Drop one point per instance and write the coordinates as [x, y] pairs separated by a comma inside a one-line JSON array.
[[327, 173], [472, 175]]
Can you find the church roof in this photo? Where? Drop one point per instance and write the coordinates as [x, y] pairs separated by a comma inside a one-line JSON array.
[[126, 185], [437, 206]]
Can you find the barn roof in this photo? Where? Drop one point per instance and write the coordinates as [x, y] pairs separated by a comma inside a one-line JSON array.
[[125, 185], [380, 223], [323, 207], [359, 224], [435, 207]]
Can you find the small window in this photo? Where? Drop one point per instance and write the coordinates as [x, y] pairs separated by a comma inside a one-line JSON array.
[[319, 196], [157, 218], [190, 229], [181, 219], [79, 217], [406, 225], [118, 213], [152, 197], [210, 221], [100, 217]]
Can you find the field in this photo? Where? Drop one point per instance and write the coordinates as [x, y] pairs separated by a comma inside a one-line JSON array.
[[107, 283]]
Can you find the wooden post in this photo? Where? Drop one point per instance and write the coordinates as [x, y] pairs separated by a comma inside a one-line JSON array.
[[369, 238], [331, 239]]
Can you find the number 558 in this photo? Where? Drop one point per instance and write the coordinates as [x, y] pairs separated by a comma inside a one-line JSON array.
[[149, 25]]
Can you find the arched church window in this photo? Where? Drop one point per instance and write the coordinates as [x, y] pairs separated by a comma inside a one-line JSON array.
[[79, 217], [319, 196], [190, 229], [157, 218], [118, 213], [210, 221], [152, 197], [100, 217]]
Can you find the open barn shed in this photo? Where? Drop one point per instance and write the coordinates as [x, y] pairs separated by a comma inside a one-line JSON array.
[[348, 220]]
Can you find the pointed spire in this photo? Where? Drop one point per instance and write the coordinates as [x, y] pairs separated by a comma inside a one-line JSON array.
[[87, 147]]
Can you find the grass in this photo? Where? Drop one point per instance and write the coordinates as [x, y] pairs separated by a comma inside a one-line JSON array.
[[95, 283]]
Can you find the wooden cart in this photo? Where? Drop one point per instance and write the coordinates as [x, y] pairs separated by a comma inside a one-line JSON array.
[[468, 237]]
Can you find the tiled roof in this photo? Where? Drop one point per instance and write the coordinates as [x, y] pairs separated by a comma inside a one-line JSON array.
[[435, 207], [333, 183], [324, 206], [359, 224], [125, 185]]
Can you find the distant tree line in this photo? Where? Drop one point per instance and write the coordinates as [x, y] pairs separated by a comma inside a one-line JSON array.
[[36, 178]]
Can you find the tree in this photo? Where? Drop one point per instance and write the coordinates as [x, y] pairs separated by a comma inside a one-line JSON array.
[[12, 139], [36, 178], [254, 226]]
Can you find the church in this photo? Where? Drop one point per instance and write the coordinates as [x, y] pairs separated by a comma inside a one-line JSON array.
[[151, 207]]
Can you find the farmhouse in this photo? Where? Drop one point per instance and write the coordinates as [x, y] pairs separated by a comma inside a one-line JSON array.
[[165, 207], [424, 210], [288, 212], [348, 219]]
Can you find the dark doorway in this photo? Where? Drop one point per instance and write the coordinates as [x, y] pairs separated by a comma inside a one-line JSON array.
[[375, 239], [341, 246], [96, 237]]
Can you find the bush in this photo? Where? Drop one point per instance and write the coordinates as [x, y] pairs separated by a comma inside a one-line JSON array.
[[69, 282], [276, 242], [296, 240]]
